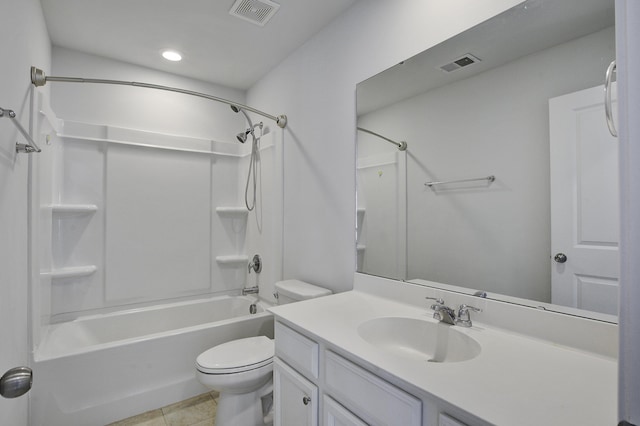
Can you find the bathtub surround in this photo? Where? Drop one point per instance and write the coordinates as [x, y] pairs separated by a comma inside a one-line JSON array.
[[126, 232]]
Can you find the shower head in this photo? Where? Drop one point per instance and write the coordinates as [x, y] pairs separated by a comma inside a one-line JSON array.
[[242, 136]]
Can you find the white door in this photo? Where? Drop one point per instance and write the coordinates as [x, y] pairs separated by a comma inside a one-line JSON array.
[[584, 203]]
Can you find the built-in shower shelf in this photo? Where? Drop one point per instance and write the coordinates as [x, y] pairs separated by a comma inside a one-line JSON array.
[[235, 260], [232, 211], [361, 247], [72, 272], [73, 208]]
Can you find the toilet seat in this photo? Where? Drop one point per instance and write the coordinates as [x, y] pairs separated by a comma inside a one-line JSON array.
[[237, 356]]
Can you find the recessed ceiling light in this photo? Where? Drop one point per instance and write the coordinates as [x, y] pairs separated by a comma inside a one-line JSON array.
[[171, 55]]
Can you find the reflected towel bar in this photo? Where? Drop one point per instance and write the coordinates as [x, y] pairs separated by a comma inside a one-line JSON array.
[[20, 147], [487, 178]]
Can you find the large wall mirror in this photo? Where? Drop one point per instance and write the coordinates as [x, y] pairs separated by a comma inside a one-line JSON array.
[[509, 182]]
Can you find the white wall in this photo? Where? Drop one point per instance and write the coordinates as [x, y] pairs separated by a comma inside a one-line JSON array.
[[25, 42], [315, 87], [497, 237]]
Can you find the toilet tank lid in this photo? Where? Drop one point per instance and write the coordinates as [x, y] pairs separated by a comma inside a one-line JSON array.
[[300, 290]]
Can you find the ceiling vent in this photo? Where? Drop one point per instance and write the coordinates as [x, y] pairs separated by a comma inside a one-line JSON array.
[[255, 11], [461, 62]]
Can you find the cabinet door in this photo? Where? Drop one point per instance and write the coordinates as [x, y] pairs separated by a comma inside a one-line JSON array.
[[336, 415], [295, 398]]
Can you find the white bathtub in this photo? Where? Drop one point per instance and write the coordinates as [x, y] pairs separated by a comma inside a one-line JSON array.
[[102, 368]]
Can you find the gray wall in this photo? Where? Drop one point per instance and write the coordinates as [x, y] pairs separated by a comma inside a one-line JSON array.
[[315, 87]]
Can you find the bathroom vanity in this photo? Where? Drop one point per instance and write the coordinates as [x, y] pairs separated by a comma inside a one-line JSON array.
[[375, 355]]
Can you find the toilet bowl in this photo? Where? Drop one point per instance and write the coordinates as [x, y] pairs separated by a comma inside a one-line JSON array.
[[242, 370]]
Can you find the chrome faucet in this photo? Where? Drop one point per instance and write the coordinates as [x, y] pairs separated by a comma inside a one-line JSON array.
[[250, 290], [441, 312], [464, 319]]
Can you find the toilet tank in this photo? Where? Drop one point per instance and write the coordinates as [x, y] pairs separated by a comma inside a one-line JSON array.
[[295, 290]]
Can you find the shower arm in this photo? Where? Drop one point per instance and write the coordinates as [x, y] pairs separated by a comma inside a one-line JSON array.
[[38, 78], [402, 146]]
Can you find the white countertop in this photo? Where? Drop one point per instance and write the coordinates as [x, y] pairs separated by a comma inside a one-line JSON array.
[[515, 380]]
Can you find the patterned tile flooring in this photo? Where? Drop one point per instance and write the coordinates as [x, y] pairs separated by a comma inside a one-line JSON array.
[[197, 411]]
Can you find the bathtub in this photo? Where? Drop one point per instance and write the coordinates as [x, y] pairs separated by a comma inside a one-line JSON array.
[[102, 368]]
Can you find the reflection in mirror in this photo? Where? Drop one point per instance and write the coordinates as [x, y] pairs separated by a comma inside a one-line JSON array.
[[519, 98]]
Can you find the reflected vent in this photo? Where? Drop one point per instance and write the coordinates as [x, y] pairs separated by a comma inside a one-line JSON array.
[[461, 62], [255, 11]]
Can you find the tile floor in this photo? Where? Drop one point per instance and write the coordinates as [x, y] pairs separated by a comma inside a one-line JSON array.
[[197, 411]]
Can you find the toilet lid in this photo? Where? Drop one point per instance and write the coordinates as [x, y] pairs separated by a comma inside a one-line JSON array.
[[237, 355]]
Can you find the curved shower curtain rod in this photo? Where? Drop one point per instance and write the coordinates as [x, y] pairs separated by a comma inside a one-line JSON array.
[[402, 146], [38, 78]]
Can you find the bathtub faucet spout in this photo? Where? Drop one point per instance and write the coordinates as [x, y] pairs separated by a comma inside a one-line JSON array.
[[250, 290]]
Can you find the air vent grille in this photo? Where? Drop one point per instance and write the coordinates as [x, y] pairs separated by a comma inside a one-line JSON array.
[[461, 62], [258, 12]]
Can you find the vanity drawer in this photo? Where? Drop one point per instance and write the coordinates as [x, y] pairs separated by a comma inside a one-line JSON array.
[[369, 397], [298, 351]]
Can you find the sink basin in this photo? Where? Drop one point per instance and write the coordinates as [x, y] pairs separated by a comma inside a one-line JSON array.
[[419, 339]]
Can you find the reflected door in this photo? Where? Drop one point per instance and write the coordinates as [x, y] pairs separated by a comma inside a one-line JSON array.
[[584, 203]]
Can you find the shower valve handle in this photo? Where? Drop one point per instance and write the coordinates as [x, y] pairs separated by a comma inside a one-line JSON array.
[[255, 264]]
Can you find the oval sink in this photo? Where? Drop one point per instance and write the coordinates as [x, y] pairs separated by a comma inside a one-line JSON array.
[[419, 339]]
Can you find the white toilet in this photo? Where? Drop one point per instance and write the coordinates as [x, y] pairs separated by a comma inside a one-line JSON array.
[[242, 370]]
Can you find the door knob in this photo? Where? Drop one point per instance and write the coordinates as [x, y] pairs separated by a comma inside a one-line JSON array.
[[560, 258], [16, 382], [306, 400]]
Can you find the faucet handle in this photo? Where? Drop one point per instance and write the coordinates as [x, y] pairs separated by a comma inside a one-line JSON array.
[[464, 319], [438, 300]]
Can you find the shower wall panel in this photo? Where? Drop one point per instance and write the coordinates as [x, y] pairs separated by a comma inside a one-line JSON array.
[[157, 223]]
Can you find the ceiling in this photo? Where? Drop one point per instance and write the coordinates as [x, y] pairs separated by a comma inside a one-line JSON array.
[[216, 47]]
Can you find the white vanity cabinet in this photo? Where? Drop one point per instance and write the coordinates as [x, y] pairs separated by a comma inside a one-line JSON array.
[[314, 385], [294, 372]]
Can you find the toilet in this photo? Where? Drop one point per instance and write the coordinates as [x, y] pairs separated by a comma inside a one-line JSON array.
[[242, 370]]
